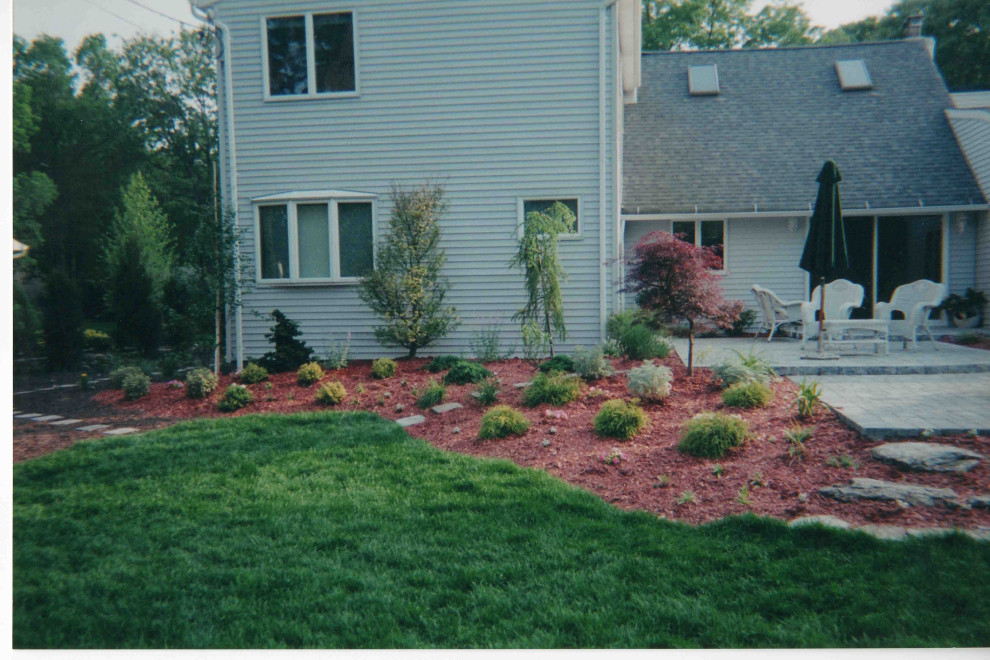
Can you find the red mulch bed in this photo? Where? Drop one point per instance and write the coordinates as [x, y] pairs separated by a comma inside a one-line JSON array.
[[983, 343], [789, 487]]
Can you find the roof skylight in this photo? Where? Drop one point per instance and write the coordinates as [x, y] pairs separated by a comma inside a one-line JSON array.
[[703, 80], [853, 75]]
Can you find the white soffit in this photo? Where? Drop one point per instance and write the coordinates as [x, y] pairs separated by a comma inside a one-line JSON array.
[[853, 74], [703, 80]]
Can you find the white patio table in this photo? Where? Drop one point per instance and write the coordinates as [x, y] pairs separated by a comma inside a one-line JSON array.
[[854, 331]]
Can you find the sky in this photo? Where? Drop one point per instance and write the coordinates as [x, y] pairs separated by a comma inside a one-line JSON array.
[[74, 19]]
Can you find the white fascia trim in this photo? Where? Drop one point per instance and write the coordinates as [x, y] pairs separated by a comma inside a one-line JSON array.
[[317, 195], [602, 160], [979, 115], [907, 210]]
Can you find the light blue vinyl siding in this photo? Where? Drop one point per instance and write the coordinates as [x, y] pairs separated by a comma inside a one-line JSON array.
[[493, 100], [962, 252]]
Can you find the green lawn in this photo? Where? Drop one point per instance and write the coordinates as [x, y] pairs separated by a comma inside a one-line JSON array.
[[329, 530]]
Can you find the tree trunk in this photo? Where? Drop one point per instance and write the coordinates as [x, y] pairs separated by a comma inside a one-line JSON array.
[[690, 364], [216, 339], [412, 351]]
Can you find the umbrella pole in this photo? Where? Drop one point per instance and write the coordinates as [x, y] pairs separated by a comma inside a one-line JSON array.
[[821, 316]]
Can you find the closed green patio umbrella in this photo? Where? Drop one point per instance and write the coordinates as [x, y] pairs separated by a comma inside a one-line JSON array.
[[825, 253]]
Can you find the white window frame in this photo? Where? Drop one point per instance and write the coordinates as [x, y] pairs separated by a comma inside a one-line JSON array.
[[291, 202], [310, 57], [697, 238], [569, 236]]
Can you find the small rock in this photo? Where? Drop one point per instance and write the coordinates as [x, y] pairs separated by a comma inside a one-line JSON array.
[[387, 395], [927, 457], [446, 407], [521, 386], [399, 408], [827, 521], [802, 497], [457, 429], [553, 430], [410, 421], [979, 502], [545, 443]]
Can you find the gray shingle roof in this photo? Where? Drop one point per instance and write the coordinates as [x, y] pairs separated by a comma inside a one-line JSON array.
[[779, 116]]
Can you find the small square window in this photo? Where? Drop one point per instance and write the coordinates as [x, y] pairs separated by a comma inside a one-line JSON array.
[[310, 55], [546, 205]]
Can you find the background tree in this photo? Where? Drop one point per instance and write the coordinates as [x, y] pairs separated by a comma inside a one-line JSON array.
[[537, 256], [700, 24], [780, 24], [406, 290], [961, 29], [677, 281], [138, 260], [63, 318]]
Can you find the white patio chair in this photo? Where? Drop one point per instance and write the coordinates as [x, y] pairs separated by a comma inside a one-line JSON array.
[[841, 298], [915, 301], [776, 313]]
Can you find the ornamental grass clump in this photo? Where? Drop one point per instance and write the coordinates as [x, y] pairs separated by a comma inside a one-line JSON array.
[[752, 394], [502, 421], [330, 394], [309, 373], [592, 365], [200, 383], [554, 389], [383, 368], [253, 373], [650, 382], [807, 399], [561, 363], [117, 376], [430, 395], [466, 372], [487, 392], [234, 398], [711, 435], [136, 385], [619, 419]]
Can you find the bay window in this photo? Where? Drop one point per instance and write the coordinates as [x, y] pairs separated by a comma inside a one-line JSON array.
[[302, 239]]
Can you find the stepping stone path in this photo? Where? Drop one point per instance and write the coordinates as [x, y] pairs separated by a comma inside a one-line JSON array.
[[446, 407], [828, 521], [889, 532], [65, 422], [27, 415], [874, 489], [927, 457], [93, 427], [410, 421], [121, 431], [46, 418]]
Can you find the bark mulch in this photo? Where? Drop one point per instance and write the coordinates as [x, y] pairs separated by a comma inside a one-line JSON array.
[[655, 477]]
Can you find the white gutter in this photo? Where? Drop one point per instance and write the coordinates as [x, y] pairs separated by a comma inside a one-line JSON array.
[[907, 210], [228, 102], [602, 159]]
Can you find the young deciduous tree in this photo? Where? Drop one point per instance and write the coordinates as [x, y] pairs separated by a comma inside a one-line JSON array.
[[537, 256], [407, 290], [676, 280]]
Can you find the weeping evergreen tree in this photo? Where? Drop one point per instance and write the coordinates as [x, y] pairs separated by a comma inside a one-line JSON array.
[[537, 256], [407, 290]]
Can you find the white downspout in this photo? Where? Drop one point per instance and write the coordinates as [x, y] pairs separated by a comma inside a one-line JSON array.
[[228, 103], [602, 159]]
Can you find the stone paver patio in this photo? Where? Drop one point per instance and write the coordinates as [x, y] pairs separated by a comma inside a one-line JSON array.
[[900, 394]]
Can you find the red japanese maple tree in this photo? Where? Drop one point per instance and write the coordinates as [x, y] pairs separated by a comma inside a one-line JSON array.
[[676, 280]]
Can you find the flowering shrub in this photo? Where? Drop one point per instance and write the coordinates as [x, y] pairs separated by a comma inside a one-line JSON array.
[[555, 414], [613, 457], [174, 385], [200, 383]]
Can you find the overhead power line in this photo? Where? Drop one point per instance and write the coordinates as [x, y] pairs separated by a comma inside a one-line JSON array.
[[155, 11], [117, 16]]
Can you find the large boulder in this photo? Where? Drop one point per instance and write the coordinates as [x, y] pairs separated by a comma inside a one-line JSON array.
[[927, 457], [874, 489]]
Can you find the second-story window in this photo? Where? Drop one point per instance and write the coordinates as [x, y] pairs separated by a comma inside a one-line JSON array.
[[310, 55]]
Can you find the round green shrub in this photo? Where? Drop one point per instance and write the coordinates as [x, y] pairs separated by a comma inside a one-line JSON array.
[[383, 368], [309, 373], [253, 373], [710, 435], [330, 394], [502, 421], [443, 363], [487, 392], [136, 385], [560, 363], [592, 365], [649, 381], [200, 383], [554, 389], [117, 376], [463, 373], [431, 394], [640, 342], [234, 398], [619, 419], [748, 394]]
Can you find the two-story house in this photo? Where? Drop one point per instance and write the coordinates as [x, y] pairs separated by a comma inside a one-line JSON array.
[[510, 105]]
